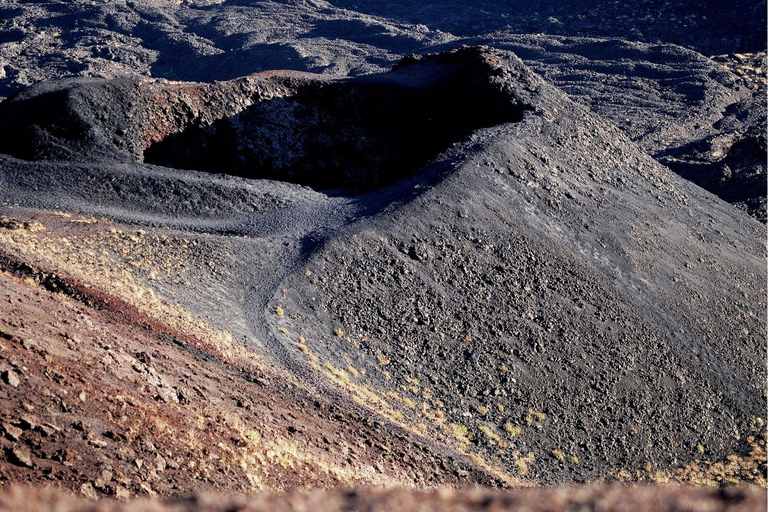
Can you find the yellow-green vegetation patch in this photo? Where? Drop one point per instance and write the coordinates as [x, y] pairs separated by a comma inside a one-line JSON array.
[[523, 462], [339, 374], [534, 416], [460, 432], [492, 436], [512, 430]]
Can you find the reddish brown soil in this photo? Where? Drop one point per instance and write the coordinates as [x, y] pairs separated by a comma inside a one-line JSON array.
[[101, 403], [100, 400]]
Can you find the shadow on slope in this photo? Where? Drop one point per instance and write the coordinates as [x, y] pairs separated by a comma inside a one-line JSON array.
[[357, 134]]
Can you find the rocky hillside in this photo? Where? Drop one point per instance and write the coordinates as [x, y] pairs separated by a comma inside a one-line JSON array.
[[423, 254]]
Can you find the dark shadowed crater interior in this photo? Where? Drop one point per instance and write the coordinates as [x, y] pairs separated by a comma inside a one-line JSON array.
[[355, 134]]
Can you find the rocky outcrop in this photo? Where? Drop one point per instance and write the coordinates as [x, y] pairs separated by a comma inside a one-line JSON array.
[[355, 133]]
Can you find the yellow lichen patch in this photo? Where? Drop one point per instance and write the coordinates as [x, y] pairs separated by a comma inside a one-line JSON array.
[[512, 430], [112, 261], [492, 436], [460, 432]]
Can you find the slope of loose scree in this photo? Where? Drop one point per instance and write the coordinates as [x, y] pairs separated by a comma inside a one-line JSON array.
[[659, 93], [535, 299], [557, 305], [109, 387]]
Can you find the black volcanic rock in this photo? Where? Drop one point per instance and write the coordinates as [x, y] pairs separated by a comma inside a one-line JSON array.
[[302, 128], [555, 279], [534, 283], [652, 77]]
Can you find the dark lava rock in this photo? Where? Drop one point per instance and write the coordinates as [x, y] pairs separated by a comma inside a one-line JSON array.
[[357, 134], [570, 272], [523, 283], [646, 70]]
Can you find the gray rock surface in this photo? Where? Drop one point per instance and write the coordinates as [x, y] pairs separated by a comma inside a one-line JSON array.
[[542, 272], [671, 100]]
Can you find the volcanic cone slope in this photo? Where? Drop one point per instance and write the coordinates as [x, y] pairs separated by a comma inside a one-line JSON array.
[[559, 303], [529, 288]]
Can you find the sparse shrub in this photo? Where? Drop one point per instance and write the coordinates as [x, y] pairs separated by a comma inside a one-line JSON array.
[[492, 436], [338, 332], [482, 410], [459, 431], [512, 430], [559, 455], [279, 312]]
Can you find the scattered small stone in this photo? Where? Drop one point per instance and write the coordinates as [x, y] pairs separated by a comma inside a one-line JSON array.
[[138, 463], [147, 488], [96, 441], [11, 378], [11, 432], [27, 422], [102, 480], [88, 491], [20, 456], [47, 430], [122, 493]]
